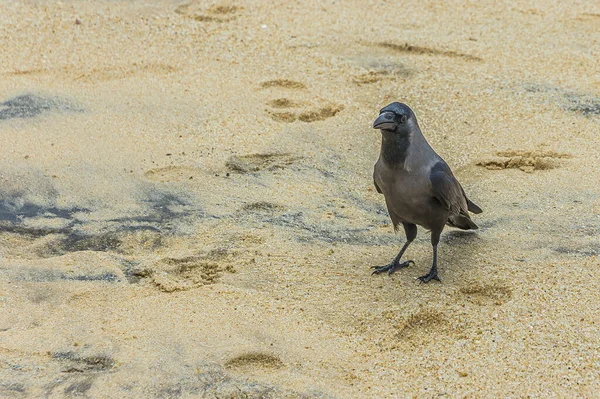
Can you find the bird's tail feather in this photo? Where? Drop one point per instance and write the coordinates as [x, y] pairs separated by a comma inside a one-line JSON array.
[[462, 222], [473, 208]]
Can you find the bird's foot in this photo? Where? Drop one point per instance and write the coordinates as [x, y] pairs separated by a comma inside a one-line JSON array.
[[392, 267], [428, 277]]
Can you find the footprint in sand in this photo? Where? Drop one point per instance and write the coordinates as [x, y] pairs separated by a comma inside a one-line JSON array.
[[425, 322], [279, 105], [283, 83], [173, 174], [412, 49], [75, 363], [217, 13], [486, 294], [123, 71], [378, 70], [311, 115], [182, 274], [527, 161], [320, 114], [370, 77], [586, 21], [287, 110], [261, 206], [259, 162], [254, 361]]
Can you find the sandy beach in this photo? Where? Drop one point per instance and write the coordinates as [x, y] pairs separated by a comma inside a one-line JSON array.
[[187, 207]]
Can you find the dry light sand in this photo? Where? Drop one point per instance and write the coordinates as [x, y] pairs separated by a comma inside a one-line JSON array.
[[187, 207]]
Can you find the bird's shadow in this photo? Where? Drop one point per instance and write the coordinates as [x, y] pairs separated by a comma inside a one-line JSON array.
[[467, 245], [460, 237]]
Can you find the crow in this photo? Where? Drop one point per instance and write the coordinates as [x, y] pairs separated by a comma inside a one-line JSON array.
[[418, 185]]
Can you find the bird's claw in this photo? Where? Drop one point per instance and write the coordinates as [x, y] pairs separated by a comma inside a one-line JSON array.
[[391, 268], [428, 277]]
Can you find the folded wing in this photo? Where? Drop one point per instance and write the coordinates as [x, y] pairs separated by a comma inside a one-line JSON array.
[[448, 191]]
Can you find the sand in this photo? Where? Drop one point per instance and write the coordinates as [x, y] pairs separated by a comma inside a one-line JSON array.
[[187, 207]]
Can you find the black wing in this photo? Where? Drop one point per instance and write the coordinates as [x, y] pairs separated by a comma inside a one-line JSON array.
[[447, 190], [451, 195]]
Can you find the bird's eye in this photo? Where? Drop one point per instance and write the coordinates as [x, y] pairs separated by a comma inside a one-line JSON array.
[[403, 119]]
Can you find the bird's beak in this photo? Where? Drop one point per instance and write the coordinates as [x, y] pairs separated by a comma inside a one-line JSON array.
[[385, 121]]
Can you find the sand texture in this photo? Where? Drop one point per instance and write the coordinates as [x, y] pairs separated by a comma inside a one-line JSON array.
[[187, 207]]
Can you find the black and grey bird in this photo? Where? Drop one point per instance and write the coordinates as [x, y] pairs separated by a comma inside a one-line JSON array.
[[418, 185]]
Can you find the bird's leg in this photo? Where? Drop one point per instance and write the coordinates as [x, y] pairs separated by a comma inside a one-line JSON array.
[[411, 234], [432, 275], [395, 264]]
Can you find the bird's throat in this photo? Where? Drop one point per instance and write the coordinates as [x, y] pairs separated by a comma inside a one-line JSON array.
[[394, 148]]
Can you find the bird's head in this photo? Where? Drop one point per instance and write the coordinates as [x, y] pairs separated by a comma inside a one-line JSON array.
[[395, 118]]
